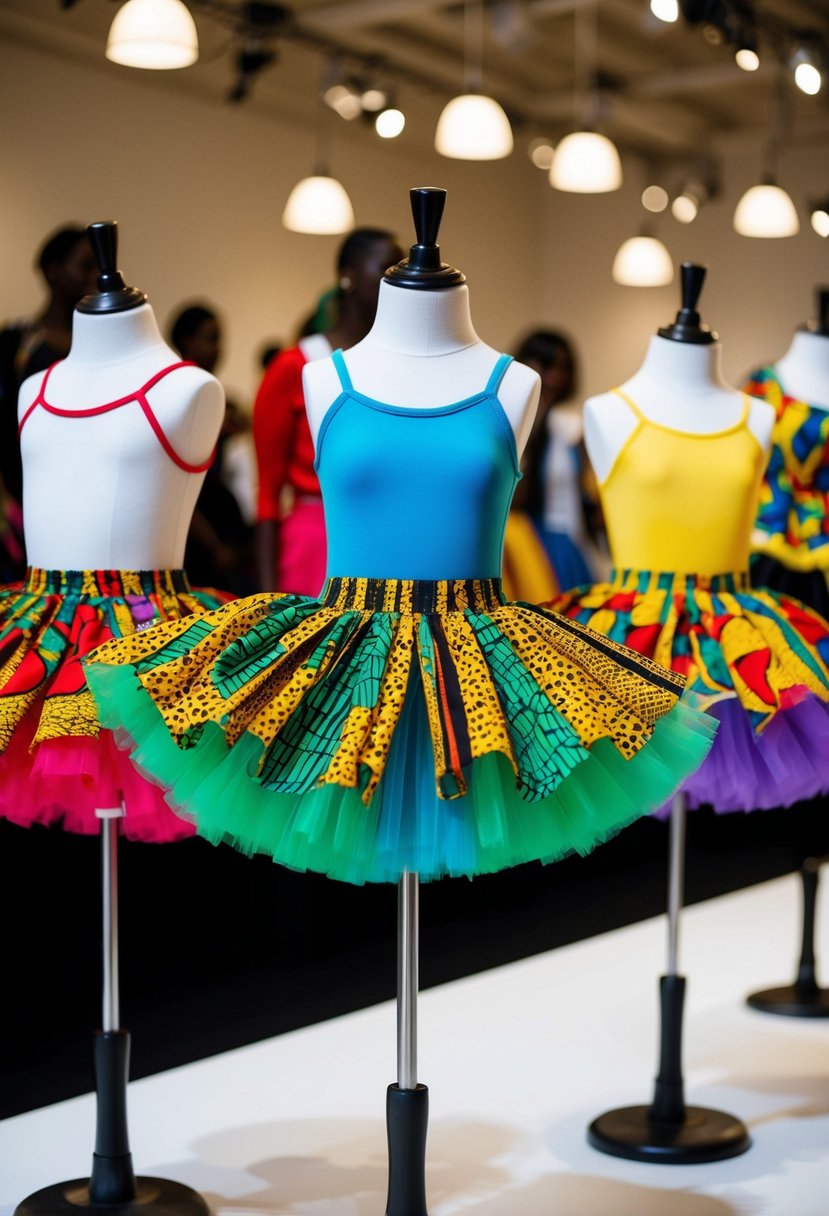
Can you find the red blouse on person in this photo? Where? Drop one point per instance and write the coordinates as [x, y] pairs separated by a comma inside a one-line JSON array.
[[281, 435]]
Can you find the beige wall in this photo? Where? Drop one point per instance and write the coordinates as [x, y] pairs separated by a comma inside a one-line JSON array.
[[755, 294], [198, 188]]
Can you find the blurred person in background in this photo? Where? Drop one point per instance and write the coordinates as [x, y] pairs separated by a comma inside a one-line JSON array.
[[70, 272], [219, 550], [553, 492], [290, 530]]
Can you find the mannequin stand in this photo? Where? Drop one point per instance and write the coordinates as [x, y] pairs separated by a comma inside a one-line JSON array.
[[804, 998], [112, 1187], [407, 1103], [668, 1131]]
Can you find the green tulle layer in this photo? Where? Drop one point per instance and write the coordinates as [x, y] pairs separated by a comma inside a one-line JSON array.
[[407, 826]]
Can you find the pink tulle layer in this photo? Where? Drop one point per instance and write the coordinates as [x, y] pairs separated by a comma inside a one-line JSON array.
[[65, 781]]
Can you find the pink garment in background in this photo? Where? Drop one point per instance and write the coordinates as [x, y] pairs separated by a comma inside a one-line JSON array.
[[302, 548]]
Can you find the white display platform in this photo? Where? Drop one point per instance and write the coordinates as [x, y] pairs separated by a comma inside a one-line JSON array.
[[518, 1060]]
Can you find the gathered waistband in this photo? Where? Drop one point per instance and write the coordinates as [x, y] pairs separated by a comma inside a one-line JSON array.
[[643, 581], [410, 595], [112, 583]]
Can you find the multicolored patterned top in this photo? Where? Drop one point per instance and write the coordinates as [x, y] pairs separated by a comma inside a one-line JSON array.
[[793, 520]]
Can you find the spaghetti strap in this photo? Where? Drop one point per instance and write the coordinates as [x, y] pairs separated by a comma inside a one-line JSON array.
[[342, 371], [630, 403], [497, 374], [641, 421], [158, 431], [39, 400], [139, 396]]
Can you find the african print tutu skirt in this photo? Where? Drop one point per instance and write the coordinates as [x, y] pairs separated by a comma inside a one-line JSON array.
[[396, 725], [56, 764], [758, 663]]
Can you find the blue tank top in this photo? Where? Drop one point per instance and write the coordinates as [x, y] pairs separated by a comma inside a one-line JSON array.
[[414, 492]]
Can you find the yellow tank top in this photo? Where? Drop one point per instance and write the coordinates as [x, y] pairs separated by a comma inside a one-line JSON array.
[[681, 502]]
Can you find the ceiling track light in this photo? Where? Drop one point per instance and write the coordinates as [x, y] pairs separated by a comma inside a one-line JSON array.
[[699, 184], [819, 217], [541, 152], [389, 123], [808, 63], [655, 198], [740, 23], [745, 42], [665, 10], [250, 61]]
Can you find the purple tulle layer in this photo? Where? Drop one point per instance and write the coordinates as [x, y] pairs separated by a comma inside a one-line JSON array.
[[786, 763]]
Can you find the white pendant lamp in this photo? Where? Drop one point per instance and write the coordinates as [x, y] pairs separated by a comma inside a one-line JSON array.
[[586, 163], [642, 261], [473, 126], [766, 210], [319, 205], [155, 34]]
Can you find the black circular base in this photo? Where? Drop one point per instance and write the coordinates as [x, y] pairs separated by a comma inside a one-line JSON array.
[[154, 1197], [792, 1002], [703, 1135]]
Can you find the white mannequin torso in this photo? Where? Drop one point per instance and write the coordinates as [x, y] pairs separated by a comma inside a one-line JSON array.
[[100, 492], [679, 386], [423, 351], [804, 369]]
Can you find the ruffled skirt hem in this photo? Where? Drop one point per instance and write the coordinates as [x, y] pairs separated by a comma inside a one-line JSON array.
[[330, 829]]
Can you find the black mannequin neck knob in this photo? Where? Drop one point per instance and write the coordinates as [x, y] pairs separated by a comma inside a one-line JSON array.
[[821, 324], [687, 327], [112, 295], [428, 203], [423, 269]]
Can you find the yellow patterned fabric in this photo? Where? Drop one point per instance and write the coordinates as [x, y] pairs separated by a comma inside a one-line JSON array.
[[56, 763], [399, 724], [234, 667], [793, 517]]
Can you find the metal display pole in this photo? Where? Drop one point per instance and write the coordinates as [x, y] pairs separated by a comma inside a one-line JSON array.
[[804, 998], [407, 1102], [112, 1186], [668, 1131]]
